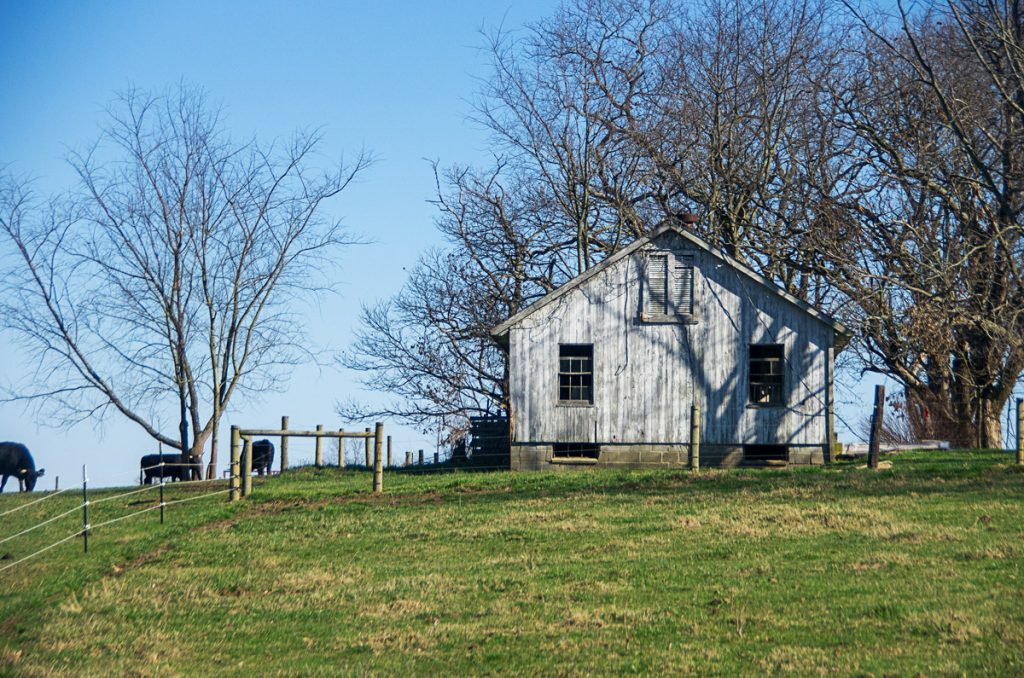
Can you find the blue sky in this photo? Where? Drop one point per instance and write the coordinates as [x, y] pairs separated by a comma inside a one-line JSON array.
[[394, 78]]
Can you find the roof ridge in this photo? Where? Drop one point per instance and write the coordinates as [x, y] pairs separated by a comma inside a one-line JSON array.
[[665, 226]]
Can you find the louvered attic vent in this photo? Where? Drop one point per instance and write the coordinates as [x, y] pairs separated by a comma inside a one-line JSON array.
[[668, 288]]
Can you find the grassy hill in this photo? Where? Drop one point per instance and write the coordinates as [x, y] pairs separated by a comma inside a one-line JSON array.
[[917, 569]]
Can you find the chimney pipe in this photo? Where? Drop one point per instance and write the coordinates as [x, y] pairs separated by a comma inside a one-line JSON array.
[[689, 219]]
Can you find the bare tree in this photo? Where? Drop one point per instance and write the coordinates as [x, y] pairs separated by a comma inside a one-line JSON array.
[[552, 104], [430, 346], [172, 274], [930, 256], [562, 194], [609, 116]]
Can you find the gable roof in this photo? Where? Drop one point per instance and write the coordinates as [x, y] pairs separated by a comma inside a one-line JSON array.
[[500, 330]]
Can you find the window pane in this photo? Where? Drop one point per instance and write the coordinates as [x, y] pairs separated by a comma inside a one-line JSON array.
[[576, 372], [766, 374]]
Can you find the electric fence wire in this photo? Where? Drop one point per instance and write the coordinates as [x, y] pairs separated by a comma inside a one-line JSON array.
[[123, 494], [92, 526], [36, 501], [42, 550], [77, 507], [198, 496]]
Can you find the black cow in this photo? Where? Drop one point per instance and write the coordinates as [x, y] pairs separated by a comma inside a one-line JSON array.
[[172, 468], [262, 456], [16, 461]]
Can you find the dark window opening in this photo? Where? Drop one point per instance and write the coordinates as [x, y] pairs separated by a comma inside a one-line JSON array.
[[766, 374], [765, 455], [576, 373], [576, 451]]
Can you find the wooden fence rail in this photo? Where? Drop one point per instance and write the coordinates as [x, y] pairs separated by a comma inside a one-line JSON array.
[[241, 465]]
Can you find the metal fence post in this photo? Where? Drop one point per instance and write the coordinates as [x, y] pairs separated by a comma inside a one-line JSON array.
[[161, 493], [284, 444], [875, 444], [85, 509]]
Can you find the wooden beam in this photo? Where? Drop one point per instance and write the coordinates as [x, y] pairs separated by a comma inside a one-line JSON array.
[[302, 434]]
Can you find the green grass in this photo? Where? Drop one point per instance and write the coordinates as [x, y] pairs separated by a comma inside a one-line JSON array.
[[917, 569]]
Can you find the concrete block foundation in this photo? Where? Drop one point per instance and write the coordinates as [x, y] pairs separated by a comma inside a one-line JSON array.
[[540, 457]]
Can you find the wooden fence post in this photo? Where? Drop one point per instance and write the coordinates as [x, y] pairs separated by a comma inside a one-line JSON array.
[[875, 444], [284, 444], [437, 458], [369, 459], [421, 457], [1020, 433], [341, 449], [378, 458], [694, 438], [390, 464], [236, 471], [247, 466], [319, 446], [408, 457]]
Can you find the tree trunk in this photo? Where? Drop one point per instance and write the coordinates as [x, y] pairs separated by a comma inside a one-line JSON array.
[[991, 430], [211, 469]]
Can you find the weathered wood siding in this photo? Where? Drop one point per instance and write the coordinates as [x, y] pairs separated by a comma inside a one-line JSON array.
[[647, 375]]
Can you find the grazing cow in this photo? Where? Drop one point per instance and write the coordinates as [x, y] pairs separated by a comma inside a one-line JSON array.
[[16, 461], [173, 467], [262, 456]]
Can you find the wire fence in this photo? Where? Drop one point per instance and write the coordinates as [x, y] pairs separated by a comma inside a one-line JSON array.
[[49, 495], [82, 506], [420, 462]]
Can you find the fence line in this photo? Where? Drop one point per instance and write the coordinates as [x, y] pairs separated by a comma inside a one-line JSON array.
[[45, 522], [89, 527], [198, 496], [45, 548], [195, 482], [36, 501], [92, 527], [123, 494]]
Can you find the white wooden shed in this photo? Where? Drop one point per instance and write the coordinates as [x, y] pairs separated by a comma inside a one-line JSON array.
[[604, 370]]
